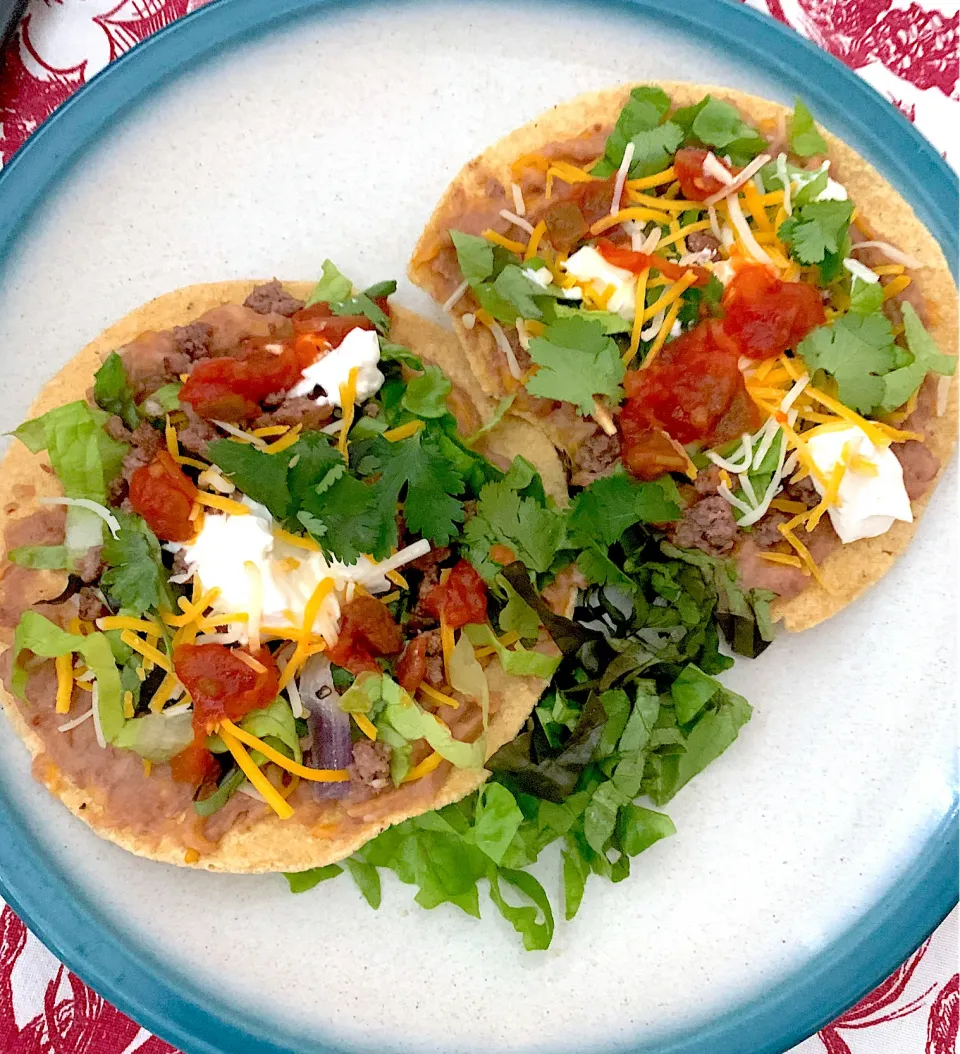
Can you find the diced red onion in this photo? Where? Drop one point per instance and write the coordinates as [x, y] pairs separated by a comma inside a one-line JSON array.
[[328, 725]]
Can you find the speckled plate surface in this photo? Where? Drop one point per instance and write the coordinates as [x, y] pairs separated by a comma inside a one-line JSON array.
[[258, 138]]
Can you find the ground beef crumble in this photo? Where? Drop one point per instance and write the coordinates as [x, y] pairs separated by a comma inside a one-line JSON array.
[[272, 298]]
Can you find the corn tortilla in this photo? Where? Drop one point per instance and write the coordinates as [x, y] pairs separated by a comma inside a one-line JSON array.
[[268, 843], [850, 569]]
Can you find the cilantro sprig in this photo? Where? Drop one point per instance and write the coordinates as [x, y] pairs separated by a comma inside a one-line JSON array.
[[873, 374], [577, 362]]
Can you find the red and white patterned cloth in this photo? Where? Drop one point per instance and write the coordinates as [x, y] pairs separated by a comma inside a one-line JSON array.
[[906, 50]]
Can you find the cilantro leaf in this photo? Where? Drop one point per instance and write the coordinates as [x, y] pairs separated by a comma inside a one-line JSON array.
[[816, 233], [817, 228], [643, 111], [654, 149], [519, 290], [865, 297], [426, 396], [475, 256], [856, 350], [608, 506], [111, 390], [361, 304], [400, 354], [355, 517], [431, 481], [715, 123], [332, 287], [262, 477], [136, 578], [533, 532], [577, 361], [899, 385], [805, 140], [309, 462], [611, 322]]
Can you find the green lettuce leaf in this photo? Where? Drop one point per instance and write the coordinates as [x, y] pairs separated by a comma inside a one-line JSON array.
[[805, 140], [332, 287], [516, 662], [39, 635], [156, 737], [111, 391]]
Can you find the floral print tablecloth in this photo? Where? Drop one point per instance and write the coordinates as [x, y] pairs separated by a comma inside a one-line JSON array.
[[906, 50]]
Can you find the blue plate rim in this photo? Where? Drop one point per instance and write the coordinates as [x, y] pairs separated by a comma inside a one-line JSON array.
[[139, 984]]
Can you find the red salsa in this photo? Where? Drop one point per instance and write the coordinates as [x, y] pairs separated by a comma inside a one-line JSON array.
[[766, 316], [163, 495], [462, 599], [221, 684], [695, 184], [629, 260], [411, 667], [367, 629]]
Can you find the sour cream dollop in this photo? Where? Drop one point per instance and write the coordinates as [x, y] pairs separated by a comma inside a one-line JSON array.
[[589, 267], [288, 574], [867, 504], [360, 348]]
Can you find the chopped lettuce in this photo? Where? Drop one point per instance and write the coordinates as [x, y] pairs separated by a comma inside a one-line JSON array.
[[83, 456], [517, 662], [39, 635], [411, 723], [467, 676], [156, 737], [332, 287], [111, 391]]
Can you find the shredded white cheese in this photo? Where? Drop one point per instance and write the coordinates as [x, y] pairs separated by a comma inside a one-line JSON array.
[[730, 191], [455, 296], [76, 721], [861, 271], [739, 221], [505, 346], [890, 251], [519, 206], [621, 177], [91, 506], [517, 221], [713, 166]]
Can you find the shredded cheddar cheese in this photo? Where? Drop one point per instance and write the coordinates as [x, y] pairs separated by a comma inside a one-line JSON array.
[[429, 763], [366, 726], [656, 180], [246, 764], [64, 668], [311, 609], [148, 651], [394, 435], [663, 333], [506, 243], [439, 697], [138, 625], [314, 775], [218, 501], [670, 295], [639, 299], [348, 404], [534, 244], [784, 558], [632, 213], [286, 442]]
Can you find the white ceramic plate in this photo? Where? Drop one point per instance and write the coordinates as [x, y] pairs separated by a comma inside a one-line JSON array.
[[333, 136]]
